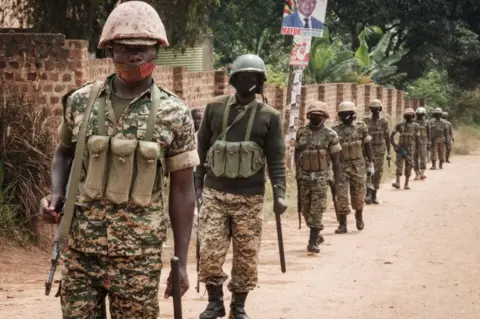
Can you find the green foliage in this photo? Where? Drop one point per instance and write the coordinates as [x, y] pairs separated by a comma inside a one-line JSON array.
[[276, 76]]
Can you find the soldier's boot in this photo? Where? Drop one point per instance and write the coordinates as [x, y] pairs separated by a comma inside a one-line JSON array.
[[312, 241], [237, 306], [342, 226], [422, 174], [406, 183], [417, 176], [447, 159], [374, 197], [440, 165], [368, 197], [215, 308], [434, 165], [397, 183], [359, 219]]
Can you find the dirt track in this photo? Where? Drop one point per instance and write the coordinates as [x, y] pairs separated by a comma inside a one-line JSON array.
[[418, 257]]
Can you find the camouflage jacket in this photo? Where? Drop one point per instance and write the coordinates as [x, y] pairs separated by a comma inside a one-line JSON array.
[[424, 131], [408, 134], [439, 130], [356, 132], [378, 130]]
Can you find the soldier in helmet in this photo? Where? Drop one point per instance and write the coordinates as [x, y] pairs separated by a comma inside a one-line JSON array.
[[449, 140], [407, 146], [424, 142], [378, 130], [439, 134], [136, 133], [355, 142], [316, 147], [238, 139]]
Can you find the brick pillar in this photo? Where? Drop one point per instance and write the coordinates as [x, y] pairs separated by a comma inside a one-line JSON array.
[[178, 81], [368, 95], [389, 101], [219, 83], [339, 94], [302, 117], [354, 92]]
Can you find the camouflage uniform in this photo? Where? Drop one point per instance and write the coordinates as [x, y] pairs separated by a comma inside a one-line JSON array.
[[314, 185], [352, 171], [378, 130], [111, 245], [408, 134], [439, 134], [421, 156], [449, 138]]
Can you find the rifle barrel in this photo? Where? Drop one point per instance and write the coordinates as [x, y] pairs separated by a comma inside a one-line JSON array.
[[177, 301]]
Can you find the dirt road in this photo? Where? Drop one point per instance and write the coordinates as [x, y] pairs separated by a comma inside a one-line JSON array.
[[418, 257]]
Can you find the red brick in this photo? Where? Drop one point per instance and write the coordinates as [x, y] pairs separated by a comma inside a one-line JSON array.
[[18, 77], [9, 76], [59, 88], [66, 77], [13, 65], [43, 76], [48, 88], [54, 99], [31, 76], [54, 77], [3, 65]]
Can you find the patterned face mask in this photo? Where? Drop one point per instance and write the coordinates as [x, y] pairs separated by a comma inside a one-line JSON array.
[[133, 74]]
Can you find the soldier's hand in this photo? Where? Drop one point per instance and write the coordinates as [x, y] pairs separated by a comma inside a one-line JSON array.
[[184, 283], [279, 206], [199, 194], [50, 208], [389, 157], [371, 169]]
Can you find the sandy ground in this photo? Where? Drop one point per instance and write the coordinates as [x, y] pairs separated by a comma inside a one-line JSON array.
[[418, 257]]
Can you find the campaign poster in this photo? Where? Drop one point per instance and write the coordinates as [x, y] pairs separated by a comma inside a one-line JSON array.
[[300, 53], [304, 17]]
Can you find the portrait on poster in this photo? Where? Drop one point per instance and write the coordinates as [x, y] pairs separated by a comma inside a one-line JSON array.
[[304, 17], [300, 53]]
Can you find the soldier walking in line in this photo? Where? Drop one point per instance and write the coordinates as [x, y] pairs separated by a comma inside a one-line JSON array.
[[449, 139], [424, 143], [439, 135]]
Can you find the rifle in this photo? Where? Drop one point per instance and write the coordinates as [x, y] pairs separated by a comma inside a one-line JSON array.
[[409, 159], [177, 298], [199, 204], [53, 263], [299, 208], [388, 161], [279, 230], [334, 199]]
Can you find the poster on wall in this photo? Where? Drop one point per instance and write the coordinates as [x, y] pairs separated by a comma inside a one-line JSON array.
[[304, 17], [300, 53]]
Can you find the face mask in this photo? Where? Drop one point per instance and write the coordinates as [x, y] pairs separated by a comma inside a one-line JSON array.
[[133, 74], [246, 89], [420, 116], [317, 121], [408, 118], [347, 118], [375, 113]]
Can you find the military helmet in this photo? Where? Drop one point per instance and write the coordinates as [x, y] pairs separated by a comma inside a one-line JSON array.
[[375, 104], [437, 111], [347, 106], [409, 111], [421, 110], [318, 107], [445, 114], [248, 63], [133, 23]]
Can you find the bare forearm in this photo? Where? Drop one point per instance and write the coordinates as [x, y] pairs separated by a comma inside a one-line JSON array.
[[369, 152], [336, 166], [61, 164], [387, 143]]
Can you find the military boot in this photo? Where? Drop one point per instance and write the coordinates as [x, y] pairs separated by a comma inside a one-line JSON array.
[[397, 183], [422, 175], [374, 197], [342, 227], [215, 308], [447, 159], [237, 307], [368, 197], [406, 183], [312, 242], [359, 219], [434, 165], [440, 165], [417, 176]]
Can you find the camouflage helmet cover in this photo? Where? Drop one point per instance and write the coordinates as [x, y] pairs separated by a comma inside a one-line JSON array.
[[133, 23], [376, 103], [421, 110], [445, 114], [318, 107], [347, 106], [409, 111], [248, 63], [437, 111]]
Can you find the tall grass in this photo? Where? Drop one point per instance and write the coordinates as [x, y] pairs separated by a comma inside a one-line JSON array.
[[467, 139], [27, 132]]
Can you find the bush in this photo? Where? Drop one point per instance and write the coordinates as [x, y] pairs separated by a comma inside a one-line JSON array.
[[467, 139], [28, 133]]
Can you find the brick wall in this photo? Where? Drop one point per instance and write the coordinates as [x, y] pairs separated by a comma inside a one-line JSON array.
[[46, 66]]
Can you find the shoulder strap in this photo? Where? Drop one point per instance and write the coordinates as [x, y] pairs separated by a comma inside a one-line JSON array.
[[102, 101], [155, 94], [250, 121], [226, 114], [76, 170]]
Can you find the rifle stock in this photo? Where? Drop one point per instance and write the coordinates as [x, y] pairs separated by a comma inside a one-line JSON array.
[[278, 222], [197, 253], [177, 298], [53, 263]]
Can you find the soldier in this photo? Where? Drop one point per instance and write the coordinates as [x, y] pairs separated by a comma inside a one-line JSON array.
[[449, 140], [355, 142], [407, 146], [119, 225], [424, 143], [378, 130], [317, 147], [439, 134], [237, 135]]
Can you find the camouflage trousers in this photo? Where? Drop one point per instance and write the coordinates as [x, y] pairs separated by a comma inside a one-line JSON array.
[[400, 161], [229, 217], [376, 179], [352, 180], [421, 157], [448, 147], [130, 282], [438, 150], [313, 201]]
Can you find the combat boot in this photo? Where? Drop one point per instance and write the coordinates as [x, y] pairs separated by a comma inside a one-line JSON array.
[[417, 176], [342, 227], [397, 183], [422, 175], [434, 165], [406, 183], [359, 219], [374, 197], [312, 242], [215, 308], [368, 197], [440, 165], [447, 159], [237, 307]]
